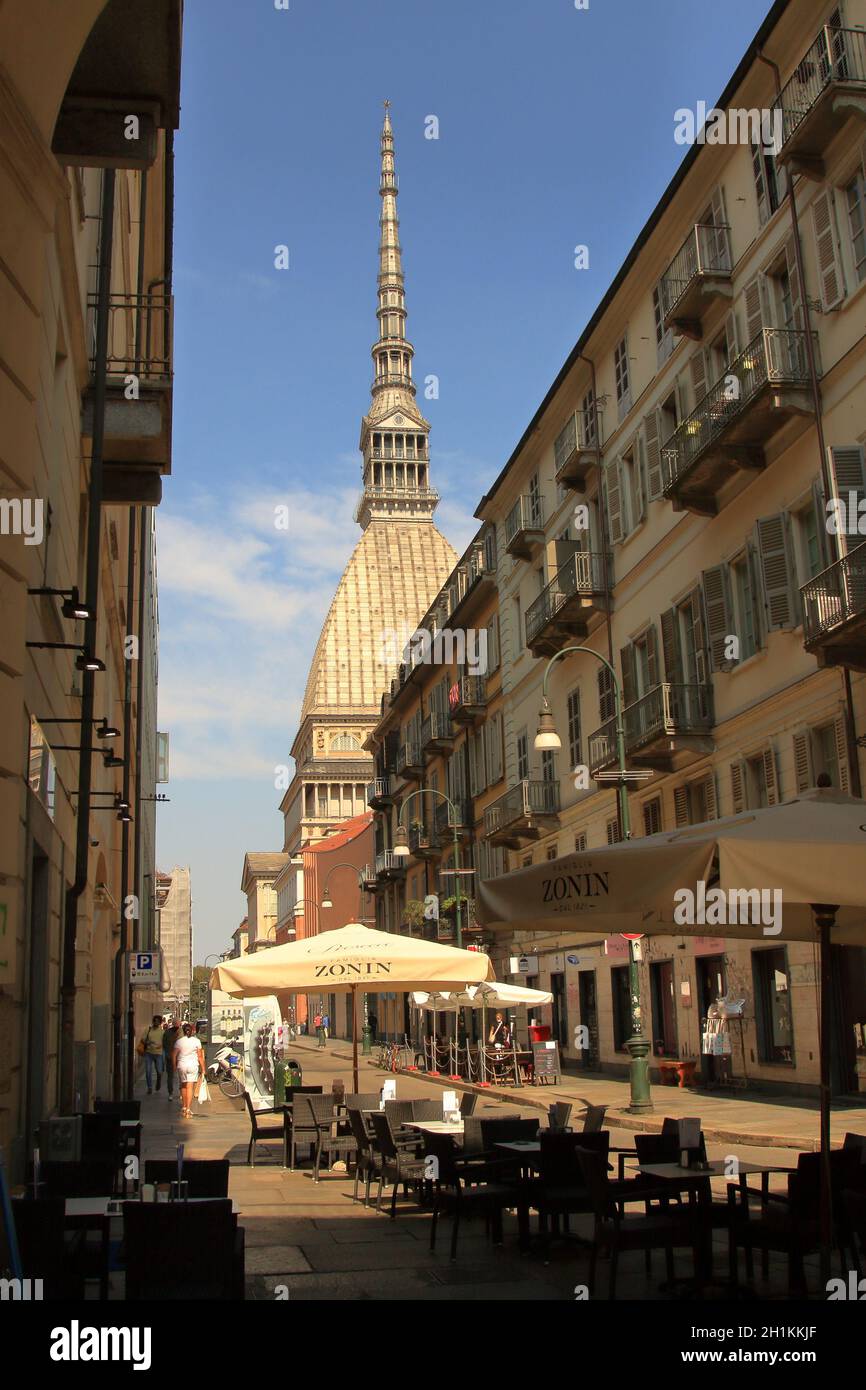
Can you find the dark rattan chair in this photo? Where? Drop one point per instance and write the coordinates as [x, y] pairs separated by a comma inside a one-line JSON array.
[[468, 1102], [182, 1250], [207, 1177], [48, 1251], [399, 1165], [320, 1114], [462, 1187], [261, 1133], [367, 1160]]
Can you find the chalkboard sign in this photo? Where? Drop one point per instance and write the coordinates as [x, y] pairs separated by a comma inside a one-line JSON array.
[[546, 1065]]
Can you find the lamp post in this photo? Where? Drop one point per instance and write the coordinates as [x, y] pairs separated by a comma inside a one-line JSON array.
[[366, 1038], [401, 845], [548, 738]]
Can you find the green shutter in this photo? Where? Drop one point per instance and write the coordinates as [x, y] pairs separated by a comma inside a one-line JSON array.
[[777, 572], [717, 604]]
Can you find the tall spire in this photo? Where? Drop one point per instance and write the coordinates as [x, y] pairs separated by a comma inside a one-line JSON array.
[[392, 353], [394, 433]]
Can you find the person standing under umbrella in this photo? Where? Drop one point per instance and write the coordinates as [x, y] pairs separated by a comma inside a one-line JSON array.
[[188, 1060]]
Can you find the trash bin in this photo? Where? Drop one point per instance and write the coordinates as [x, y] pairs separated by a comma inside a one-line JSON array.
[[539, 1032], [296, 1075], [282, 1075]]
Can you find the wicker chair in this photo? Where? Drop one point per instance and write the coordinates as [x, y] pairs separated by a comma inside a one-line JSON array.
[[319, 1113], [48, 1250], [462, 1187], [468, 1102], [426, 1110], [182, 1250], [367, 1160], [559, 1114], [259, 1133], [398, 1164], [207, 1177]]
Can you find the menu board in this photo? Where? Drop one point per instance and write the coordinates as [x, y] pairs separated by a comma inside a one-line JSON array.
[[546, 1065]]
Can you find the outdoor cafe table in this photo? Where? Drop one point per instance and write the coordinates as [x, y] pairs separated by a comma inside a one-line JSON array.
[[696, 1181], [436, 1126]]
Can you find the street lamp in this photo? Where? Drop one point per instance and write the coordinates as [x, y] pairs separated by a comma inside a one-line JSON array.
[[401, 849], [547, 738]]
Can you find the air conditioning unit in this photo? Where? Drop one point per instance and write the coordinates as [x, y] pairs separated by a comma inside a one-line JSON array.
[[60, 1139]]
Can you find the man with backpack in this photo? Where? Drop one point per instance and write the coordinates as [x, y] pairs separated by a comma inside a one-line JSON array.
[[151, 1047]]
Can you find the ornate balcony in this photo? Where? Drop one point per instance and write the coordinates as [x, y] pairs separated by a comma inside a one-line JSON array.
[[369, 882], [445, 821], [467, 700], [563, 609], [666, 729], [381, 793], [826, 89], [410, 764], [138, 404], [575, 451], [522, 814], [697, 278], [423, 842], [389, 866], [524, 527], [437, 734], [834, 612], [767, 386]]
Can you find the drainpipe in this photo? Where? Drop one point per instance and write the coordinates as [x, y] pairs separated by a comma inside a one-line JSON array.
[[850, 732], [602, 513], [122, 985], [94, 524], [135, 925]]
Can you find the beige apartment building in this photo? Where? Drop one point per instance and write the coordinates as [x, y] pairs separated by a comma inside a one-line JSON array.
[[174, 904], [667, 507], [88, 105]]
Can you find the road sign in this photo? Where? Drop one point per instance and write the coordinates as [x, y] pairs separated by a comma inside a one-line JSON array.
[[632, 936], [144, 968]]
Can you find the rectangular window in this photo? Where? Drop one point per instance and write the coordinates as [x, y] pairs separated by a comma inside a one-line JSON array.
[[548, 765], [522, 756], [827, 754], [621, 374], [855, 198], [613, 835], [574, 749], [773, 1015], [580, 843], [587, 419], [552, 851], [767, 182], [664, 337], [756, 783]]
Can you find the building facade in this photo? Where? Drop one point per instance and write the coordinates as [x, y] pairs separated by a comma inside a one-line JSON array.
[[88, 105], [174, 905], [676, 506]]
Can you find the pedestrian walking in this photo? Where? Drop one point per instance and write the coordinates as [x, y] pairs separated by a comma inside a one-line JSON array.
[[326, 1024], [154, 1060], [320, 1030], [188, 1059], [169, 1038]]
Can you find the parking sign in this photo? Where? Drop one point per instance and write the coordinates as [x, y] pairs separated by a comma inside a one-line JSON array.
[[144, 968]]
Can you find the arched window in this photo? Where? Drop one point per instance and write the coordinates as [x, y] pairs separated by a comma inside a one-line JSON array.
[[346, 743]]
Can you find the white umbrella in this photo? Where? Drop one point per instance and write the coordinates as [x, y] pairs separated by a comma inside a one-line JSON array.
[[492, 993]]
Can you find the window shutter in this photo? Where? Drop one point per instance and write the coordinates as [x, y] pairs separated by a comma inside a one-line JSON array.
[[733, 337], [681, 805], [626, 660], [681, 390], [652, 448], [846, 465], [769, 759], [777, 571], [829, 264], [760, 177], [840, 735], [614, 500], [606, 709], [671, 645], [718, 609], [639, 475], [494, 749], [723, 253], [794, 283], [820, 508], [698, 369], [652, 657], [803, 772], [758, 616], [738, 786], [753, 304], [710, 800]]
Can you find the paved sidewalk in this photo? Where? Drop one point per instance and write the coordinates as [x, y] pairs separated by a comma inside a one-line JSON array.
[[741, 1118]]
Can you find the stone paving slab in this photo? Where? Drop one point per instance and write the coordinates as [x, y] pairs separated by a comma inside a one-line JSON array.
[[272, 1259]]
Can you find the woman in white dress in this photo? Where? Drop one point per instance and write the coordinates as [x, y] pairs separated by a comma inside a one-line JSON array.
[[188, 1061]]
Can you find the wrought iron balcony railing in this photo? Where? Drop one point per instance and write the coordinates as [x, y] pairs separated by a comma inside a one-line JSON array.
[[777, 357], [705, 251], [835, 596], [139, 336], [394, 379], [581, 575], [445, 819], [526, 801], [436, 730], [578, 433], [389, 863], [380, 792], [467, 695], [527, 514], [422, 839], [838, 55], [665, 711]]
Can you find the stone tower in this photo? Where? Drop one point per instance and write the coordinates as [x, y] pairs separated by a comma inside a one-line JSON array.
[[393, 575]]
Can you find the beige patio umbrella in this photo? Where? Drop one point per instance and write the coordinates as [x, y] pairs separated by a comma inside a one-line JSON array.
[[348, 959], [811, 850]]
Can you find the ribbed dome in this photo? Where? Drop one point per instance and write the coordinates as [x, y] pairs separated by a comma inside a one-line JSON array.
[[394, 574]]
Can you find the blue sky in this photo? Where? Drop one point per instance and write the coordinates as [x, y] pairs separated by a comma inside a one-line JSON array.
[[556, 127]]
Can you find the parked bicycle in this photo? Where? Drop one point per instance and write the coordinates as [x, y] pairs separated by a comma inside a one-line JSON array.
[[392, 1055]]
